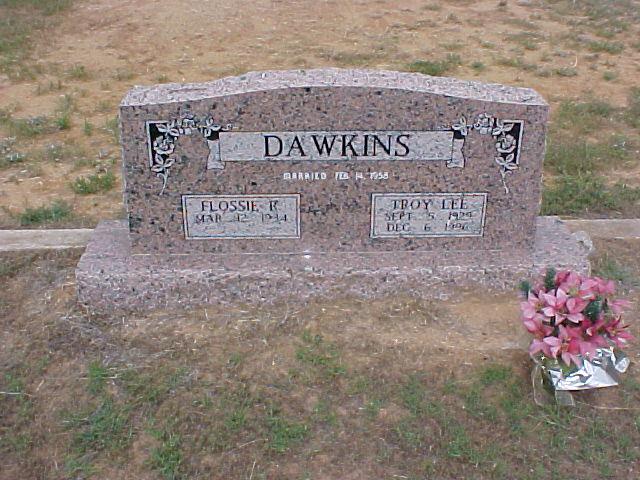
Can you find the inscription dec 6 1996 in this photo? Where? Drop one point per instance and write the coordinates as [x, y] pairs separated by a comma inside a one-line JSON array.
[[427, 214]]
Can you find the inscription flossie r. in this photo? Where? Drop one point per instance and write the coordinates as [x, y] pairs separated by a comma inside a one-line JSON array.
[[241, 216]]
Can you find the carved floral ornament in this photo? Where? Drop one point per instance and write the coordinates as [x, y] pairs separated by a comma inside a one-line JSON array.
[[507, 135], [163, 135], [162, 141]]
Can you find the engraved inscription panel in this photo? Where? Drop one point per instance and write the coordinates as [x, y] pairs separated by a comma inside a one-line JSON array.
[[337, 145], [395, 215], [241, 216]]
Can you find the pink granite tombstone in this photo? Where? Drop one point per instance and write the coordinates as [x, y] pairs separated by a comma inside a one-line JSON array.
[[275, 186]]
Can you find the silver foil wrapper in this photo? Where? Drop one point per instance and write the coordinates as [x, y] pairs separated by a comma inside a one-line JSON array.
[[600, 371], [553, 381]]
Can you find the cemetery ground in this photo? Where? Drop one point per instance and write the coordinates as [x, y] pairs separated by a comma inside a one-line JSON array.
[[391, 388]]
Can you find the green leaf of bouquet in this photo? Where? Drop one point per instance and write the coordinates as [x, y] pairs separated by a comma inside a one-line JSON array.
[[593, 310], [550, 279]]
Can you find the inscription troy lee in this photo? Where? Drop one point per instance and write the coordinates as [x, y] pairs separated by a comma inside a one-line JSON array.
[[241, 216], [396, 215]]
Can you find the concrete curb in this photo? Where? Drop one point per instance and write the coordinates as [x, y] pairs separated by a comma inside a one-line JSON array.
[[60, 239], [25, 240], [613, 229]]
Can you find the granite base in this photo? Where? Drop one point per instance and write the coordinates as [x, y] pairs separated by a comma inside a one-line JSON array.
[[112, 279]]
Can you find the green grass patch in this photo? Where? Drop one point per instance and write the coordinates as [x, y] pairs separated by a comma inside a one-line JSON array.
[[436, 67], [318, 353], [31, 127], [372, 407], [583, 116], [582, 157], [97, 375], [527, 39], [565, 71], [25, 127], [284, 433], [96, 183], [123, 74], [606, 266], [516, 62], [632, 112], [476, 406], [112, 128], [63, 121], [46, 7], [606, 46], [59, 210], [478, 66], [414, 396], [105, 428], [610, 75], [228, 415], [9, 156], [493, 374], [411, 433], [586, 193], [78, 72], [150, 388], [87, 128], [167, 458], [323, 413]]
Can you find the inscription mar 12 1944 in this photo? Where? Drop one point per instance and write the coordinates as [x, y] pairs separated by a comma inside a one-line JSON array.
[[241, 216], [396, 215]]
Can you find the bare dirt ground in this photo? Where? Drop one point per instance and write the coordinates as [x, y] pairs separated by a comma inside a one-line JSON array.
[[94, 51]]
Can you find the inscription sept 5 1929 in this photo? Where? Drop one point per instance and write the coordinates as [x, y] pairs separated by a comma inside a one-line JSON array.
[[427, 214]]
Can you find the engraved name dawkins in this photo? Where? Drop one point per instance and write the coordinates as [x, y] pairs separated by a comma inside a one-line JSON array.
[[335, 146]]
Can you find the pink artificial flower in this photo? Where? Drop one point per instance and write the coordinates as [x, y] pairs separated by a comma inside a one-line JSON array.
[[539, 346], [587, 289], [588, 347], [617, 332], [604, 287], [575, 305], [570, 340], [554, 302], [531, 307], [592, 329], [557, 321], [591, 338], [561, 276], [537, 327], [549, 346], [568, 281], [617, 306]]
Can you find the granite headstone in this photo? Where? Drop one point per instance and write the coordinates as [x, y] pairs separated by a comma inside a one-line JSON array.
[[282, 185]]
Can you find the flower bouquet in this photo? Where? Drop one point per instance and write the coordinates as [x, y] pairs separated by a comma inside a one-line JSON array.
[[576, 322]]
